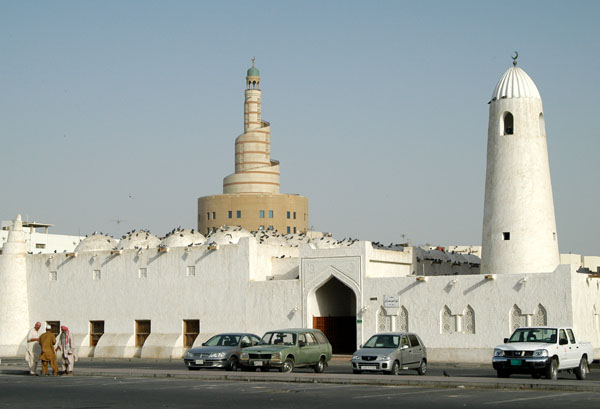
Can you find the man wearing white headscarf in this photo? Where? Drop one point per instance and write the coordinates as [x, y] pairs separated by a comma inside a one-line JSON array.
[[33, 350], [68, 354]]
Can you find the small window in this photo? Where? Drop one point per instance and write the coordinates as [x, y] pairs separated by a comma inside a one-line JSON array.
[[207, 215], [288, 214], [294, 215], [506, 235], [191, 330], [294, 229], [270, 227], [96, 275], [321, 337], [190, 271], [508, 124], [571, 336], [261, 227], [53, 276], [261, 214], [40, 245], [554, 236], [142, 332], [142, 272], [54, 327], [288, 229], [270, 214], [310, 339], [414, 341], [214, 229], [96, 331], [230, 214], [542, 125], [214, 215], [239, 214]]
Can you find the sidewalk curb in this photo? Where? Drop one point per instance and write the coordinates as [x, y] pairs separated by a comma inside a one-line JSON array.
[[379, 380]]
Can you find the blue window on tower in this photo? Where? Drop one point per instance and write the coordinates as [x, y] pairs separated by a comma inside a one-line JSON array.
[[239, 214], [270, 214], [230, 214], [262, 214], [288, 214]]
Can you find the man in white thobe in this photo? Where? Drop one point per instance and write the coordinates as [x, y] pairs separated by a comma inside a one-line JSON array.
[[33, 350]]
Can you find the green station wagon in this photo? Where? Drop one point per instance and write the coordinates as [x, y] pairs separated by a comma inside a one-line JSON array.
[[286, 349]]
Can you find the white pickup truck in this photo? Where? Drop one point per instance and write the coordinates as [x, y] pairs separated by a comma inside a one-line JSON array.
[[542, 351]]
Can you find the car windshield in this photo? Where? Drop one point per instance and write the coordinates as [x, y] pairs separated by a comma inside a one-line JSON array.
[[383, 341], [534, 335], [278, 338], [223, 341]]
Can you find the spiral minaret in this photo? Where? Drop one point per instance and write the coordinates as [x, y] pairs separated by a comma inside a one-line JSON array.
[[255, 171], [251, 195]]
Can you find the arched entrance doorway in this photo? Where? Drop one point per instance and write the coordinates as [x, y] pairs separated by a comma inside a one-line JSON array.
[[334, 313]]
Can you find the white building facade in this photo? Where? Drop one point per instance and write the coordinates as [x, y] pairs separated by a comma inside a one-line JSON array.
[[148, 297]]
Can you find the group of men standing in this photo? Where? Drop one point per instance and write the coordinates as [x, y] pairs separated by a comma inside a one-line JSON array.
[[44, 348]]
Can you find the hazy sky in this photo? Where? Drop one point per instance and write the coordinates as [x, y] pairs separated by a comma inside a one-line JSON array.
[[128, 110]]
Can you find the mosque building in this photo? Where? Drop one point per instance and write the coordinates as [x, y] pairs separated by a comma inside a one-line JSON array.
[[150, 297]]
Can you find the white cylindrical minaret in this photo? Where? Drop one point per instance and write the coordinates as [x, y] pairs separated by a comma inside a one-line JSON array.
[[14, 306], [255, 172], [519, 227]]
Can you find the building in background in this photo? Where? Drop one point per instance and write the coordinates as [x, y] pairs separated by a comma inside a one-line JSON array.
[[251, 197]]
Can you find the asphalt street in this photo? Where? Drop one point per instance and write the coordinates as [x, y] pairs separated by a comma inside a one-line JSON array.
[[114, 392]]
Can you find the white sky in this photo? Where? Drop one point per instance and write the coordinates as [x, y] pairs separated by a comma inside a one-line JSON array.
[[128, 110]]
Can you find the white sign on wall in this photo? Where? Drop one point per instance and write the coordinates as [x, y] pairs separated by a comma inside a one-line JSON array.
[[391, 301]]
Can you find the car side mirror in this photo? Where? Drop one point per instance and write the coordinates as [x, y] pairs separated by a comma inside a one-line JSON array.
[[506, 340], [360, 346], [404, 347], [204, 344], [301, 344], [563, 342]]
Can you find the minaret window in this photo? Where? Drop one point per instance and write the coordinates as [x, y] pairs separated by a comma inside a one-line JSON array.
[[506, 235], [542, 125], [261, 214], [508, 124]]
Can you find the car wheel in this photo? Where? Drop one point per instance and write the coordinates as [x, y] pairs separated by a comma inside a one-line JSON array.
[[288, 366], [502, 374], [395, 369], [320, 366], [232, 364], [582, 370], [422, 369], [552, 370], [356, 371]]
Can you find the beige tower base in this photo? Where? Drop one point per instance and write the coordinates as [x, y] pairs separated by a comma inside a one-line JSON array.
[[281, 212]]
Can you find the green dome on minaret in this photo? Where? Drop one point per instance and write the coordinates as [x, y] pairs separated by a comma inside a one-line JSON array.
[[253, 71]]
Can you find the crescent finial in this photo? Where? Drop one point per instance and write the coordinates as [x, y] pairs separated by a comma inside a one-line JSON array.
[[515, 58]]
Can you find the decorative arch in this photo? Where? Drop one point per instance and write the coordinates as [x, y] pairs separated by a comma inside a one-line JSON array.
[[508, 124], [469, 320], [540, 316], [402, 319], [447, 321], [384, 321], [517, 319], [542, 125]]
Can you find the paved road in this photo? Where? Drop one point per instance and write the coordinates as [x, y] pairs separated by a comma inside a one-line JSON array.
[[336, 366], [101, 392]]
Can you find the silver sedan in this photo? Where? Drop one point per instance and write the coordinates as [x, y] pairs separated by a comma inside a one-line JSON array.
[[220, 351], [390, 352]]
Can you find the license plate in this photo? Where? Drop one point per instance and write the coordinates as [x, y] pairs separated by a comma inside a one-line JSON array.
[[516, 362], [368, 367], [199, 361], [258, 363]]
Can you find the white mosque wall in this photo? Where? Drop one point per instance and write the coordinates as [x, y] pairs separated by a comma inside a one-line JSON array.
[[585, 291]]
